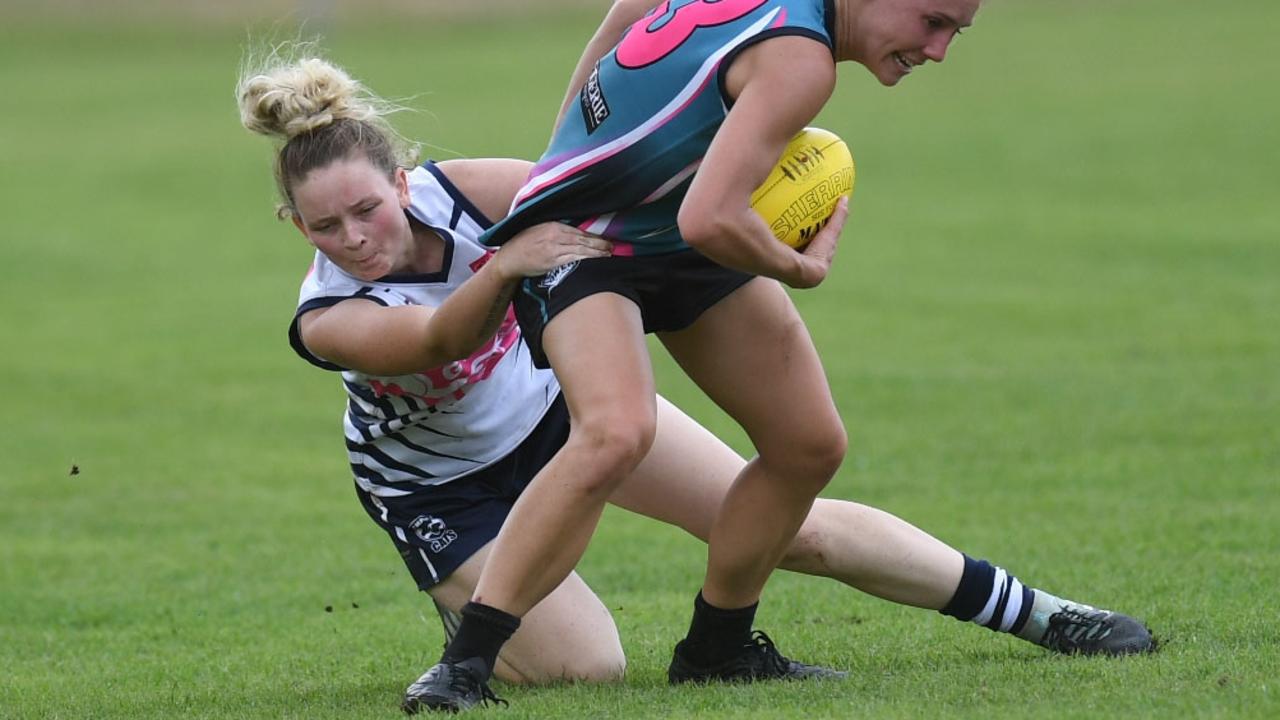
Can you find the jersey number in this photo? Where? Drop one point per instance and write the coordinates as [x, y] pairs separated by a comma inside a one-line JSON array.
[[644, 45]]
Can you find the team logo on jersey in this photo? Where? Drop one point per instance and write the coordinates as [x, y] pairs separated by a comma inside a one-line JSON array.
[[553, 278], [595, 109], [433, 532]]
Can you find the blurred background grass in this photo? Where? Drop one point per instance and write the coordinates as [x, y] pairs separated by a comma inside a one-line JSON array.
[[1052, 333]]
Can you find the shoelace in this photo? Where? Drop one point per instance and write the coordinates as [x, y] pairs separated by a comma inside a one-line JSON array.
[[487, 696], [465, 683], [773, 661], [1070, 629], [462, 683]]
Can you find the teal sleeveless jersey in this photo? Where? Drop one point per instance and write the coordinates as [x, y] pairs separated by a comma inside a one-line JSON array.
[[622, 159]]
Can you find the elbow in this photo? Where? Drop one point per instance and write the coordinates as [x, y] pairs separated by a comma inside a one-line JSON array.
[[441, 348], [703, 230], [453, 350]]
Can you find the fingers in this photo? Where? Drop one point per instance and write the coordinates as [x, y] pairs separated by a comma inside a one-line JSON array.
[[578, 244], [835, 223], [823, 245], [543, 247], [821, 251], [594, 243]]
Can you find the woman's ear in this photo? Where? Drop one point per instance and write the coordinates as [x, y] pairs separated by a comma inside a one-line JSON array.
[[302, 228], [402, 187]]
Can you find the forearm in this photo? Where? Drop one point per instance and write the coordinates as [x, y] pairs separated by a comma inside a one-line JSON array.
[[469, 317], [742, 241]]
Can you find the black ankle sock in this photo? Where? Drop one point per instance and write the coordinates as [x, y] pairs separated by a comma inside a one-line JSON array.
[[481, 634], [716, 634]]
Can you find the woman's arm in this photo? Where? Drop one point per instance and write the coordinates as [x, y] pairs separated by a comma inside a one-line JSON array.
[[622, 15], [365, 336], [779, 86]]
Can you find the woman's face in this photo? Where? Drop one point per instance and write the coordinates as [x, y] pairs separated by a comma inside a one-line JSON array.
[[892, 37], [354, 214]]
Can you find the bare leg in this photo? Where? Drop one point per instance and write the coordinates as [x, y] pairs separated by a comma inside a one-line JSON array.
[[687, 473], [570, 635], [752, 355], [597, 347], [867, 548]]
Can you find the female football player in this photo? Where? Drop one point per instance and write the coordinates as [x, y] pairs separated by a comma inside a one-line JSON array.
[[440, 456], [676, 112]]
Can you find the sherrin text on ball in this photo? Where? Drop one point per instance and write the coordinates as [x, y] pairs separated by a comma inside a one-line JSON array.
[[802, 190]]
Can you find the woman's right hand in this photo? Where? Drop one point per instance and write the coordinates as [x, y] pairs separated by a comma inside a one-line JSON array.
[[544, 247], [821, 251]]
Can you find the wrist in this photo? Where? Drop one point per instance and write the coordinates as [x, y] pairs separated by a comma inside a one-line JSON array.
[[803, 275], [499, 266]]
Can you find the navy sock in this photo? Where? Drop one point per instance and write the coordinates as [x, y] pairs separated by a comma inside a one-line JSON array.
[[716, 634], [990, 597], [481, 634]]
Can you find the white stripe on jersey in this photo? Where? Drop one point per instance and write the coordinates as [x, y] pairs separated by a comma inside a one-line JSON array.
[[576, 163]]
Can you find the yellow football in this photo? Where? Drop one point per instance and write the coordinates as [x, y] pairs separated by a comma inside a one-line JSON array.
[[801, 191]]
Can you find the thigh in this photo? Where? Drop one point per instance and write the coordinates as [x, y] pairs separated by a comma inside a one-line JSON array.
[[685, 476], [599, 354], [752, 354], [569, 635]]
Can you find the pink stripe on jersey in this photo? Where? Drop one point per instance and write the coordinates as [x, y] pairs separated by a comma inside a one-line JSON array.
[[452, 382], [673, 183], [543, 177]]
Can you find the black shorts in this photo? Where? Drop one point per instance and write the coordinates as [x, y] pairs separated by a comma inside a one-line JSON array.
[[439, 527], [672, 291]]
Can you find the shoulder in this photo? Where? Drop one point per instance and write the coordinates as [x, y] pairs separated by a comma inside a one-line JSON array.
[[787, 65], [490, 183]]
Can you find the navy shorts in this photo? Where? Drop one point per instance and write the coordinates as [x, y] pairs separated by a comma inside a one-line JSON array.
[[439, 527], [672, 291]]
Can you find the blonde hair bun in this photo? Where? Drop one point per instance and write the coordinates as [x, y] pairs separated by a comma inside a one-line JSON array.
[[286, 99]]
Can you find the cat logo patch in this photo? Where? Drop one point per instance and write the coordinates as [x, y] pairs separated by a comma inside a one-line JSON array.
[[432, 531]]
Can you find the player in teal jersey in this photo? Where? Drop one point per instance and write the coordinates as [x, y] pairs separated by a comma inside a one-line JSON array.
[[622, 159], [675, 114], [407, 240]]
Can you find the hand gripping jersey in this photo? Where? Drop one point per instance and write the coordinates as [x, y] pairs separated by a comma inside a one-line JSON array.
[[621, 162], [441, 423]]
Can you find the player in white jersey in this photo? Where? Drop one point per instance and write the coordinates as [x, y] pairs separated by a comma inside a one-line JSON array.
[[433, 425], [440, 456]]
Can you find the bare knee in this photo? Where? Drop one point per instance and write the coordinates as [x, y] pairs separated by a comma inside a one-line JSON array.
[[607, 449], [607, 669], [585, 665], [810, 457]]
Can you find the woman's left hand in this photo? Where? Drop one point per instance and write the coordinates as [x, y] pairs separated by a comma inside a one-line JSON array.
[[544, 247]]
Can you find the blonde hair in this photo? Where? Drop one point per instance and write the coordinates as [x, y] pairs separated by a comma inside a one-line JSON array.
[[319, 113]]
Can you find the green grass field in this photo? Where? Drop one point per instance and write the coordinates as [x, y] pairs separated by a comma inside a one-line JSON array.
[[1053, 332]]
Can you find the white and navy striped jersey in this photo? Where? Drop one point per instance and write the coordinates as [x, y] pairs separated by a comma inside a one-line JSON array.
[[439, 424]]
